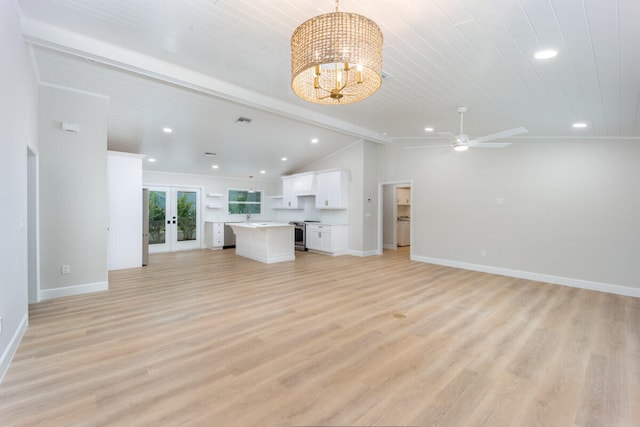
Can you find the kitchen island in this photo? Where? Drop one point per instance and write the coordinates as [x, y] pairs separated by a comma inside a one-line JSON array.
[[266, 242]]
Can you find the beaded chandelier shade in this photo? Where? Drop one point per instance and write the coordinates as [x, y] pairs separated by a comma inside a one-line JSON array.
[[336, 58]]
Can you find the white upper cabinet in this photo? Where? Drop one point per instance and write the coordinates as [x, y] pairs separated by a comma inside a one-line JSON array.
[[404, 196], [289, 197], [332, 190]]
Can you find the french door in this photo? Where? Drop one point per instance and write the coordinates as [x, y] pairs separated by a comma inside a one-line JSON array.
[[174, 219]]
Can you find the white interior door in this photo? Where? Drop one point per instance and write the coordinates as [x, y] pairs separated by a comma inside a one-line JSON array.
[[174, 219]]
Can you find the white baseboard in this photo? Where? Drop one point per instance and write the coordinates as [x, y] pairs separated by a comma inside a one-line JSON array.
[[10, 351], [390, 247], [370, 253], [73, 290], [538, 277], [373, 252]]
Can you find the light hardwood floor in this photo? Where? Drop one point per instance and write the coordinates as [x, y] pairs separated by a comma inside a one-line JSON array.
[[210, 338]]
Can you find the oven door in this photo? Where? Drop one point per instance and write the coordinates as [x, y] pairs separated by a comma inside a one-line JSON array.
[[300, 241]]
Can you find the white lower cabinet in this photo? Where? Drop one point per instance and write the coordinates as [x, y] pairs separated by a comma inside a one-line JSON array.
[[331, 239], [214, 235]]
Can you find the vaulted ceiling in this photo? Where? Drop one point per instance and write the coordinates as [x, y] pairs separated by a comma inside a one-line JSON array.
[[198, 65]]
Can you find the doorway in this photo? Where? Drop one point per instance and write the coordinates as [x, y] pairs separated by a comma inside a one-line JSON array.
[[174, 219], [395, 226]]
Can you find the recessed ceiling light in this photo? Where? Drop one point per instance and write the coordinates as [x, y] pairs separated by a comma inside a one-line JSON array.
[[263, 172], [579, 125], [151, 160], [284, 159], [545, 54], [429, 129], [314, 141], [167, 130], [214, 166]]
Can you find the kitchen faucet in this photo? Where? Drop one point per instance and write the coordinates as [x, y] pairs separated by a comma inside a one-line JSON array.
[[248, 217]]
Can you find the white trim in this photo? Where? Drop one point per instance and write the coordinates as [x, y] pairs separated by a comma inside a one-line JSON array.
[[356, 253], [577, 138], [69, 89], [124, 154], [10, 351], [265, 259], [538, 277], [66, 291], [340, 252]]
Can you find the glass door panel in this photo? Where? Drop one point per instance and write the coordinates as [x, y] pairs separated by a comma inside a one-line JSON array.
[[157, 217], [187, 208]]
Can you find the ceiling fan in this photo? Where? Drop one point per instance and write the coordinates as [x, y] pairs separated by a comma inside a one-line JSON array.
[[462, 142]]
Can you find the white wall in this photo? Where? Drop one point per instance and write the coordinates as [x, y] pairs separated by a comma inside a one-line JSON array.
[[350, 158], [570, 212], [124, 172], [73, 192], [17, 131], [369, 198]]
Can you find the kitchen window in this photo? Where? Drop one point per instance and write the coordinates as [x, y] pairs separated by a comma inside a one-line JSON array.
[[245, 202]]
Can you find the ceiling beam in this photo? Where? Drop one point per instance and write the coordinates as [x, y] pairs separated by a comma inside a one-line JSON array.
[[56, 38]]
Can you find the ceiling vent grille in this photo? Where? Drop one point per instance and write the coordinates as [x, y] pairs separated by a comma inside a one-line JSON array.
[[243, 120]]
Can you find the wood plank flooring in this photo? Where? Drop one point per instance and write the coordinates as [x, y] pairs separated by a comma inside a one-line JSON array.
[[211, 338]]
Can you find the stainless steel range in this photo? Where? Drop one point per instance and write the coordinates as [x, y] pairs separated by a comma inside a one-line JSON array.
[[300, 234]]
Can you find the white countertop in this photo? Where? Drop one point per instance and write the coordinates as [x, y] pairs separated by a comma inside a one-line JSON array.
[[258, 224]]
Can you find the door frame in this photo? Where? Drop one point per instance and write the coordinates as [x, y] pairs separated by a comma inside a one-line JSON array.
[[392, 186], [171, 241]]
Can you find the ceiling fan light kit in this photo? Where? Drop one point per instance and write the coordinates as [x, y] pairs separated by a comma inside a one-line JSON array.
[[336, 58]]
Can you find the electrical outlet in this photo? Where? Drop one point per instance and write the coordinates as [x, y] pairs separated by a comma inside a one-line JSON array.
[[483, 252], [65, 269]]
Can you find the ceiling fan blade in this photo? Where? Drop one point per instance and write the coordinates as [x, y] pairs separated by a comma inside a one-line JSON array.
[[428, 146], [449, 135], [499, 135], [491, 144]]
